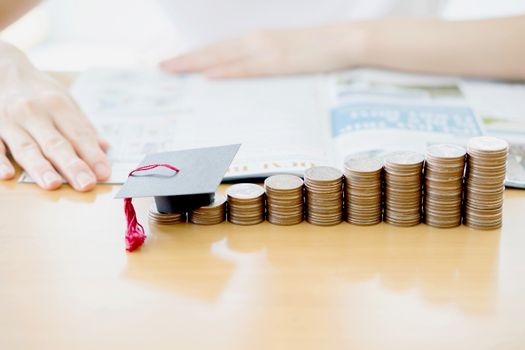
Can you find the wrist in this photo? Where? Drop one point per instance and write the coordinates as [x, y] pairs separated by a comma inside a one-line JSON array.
[[10, 54], [12, 60]]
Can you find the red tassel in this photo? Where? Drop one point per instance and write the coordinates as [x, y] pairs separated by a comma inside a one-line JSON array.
[[135, 235]]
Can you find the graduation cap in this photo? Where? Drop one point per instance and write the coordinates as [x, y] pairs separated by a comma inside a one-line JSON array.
[[179, 181]]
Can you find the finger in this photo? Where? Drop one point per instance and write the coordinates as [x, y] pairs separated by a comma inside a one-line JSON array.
[[7, 171], [57, 101], [86, 144], [243, 69], [207, 57], [76, 129], [28, 155], [60, 152]]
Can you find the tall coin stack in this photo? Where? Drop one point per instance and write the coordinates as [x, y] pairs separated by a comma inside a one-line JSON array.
[[363, 191], [324, 195], [165, 219], [403, 173], [485, 182], [444, 169], [284, 199], [212, 214], [246, 204]]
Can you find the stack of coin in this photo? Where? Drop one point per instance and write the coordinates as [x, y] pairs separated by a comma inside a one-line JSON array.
[[403, 173], [284, 199], [363, 190], [444, 169], [485, 179], [324, 195], [165, 219], [212, 214], [246, 204]]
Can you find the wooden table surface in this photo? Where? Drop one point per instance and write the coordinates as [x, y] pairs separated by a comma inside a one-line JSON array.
[[67, 282]]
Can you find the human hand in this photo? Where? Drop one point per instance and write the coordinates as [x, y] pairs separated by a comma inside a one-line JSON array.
[[44, 129], [272, 52]]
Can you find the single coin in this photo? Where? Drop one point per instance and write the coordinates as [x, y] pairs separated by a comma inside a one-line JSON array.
[[446, 151], [487, 144], [363, 165], [323, 174], [404, 158], [283, 182], [245, 191]]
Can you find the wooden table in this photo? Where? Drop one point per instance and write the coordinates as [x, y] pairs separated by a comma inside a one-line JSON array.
[[67, 282]]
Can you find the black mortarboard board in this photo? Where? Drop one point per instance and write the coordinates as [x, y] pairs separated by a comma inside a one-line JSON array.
[[180, 181], [200, 172]]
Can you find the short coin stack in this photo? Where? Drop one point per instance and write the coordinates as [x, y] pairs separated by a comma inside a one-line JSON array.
[[444, 169], [324, 195], [165, 219], [284, 199], [485, 179], [246, 204], [363, 191], [403, 173], [212, 214]]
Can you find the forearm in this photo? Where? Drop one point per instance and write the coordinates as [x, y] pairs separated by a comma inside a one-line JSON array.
[[493, 48], [11, 10]]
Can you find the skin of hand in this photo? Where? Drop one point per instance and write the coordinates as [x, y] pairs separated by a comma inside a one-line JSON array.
[[271, 52], [44, 130], [486, 48]]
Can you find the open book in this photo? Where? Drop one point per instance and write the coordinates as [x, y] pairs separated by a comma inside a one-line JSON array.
[[284, 124]]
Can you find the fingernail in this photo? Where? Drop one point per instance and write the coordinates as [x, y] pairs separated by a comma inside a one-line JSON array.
[[102, 171], [50, 178], [84, 180], [6, 171]]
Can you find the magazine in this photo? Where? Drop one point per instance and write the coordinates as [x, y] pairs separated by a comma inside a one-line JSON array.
[[285, 124]]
